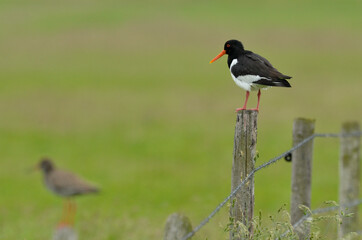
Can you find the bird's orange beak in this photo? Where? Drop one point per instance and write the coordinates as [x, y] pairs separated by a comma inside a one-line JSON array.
[[218, 56]]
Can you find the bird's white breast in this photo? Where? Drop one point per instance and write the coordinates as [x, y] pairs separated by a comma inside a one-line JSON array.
[[246, 81]]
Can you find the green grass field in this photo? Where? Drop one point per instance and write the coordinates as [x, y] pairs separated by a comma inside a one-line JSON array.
[[123, 94]]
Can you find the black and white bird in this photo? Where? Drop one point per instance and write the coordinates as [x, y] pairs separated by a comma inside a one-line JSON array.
[[251, 71]]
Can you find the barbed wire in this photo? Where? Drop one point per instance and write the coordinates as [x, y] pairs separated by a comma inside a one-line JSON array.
[[323, 210], [264, 165]]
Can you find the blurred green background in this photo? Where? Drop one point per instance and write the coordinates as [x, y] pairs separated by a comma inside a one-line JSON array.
[[122, 93]]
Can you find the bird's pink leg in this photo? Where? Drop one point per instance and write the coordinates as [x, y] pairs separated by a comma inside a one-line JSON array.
[[257, 106], [246, 100]]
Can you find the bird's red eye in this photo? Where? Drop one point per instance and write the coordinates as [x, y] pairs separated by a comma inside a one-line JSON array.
[[227, 45]]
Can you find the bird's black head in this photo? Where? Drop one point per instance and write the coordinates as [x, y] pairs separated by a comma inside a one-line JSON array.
[[46, 165], [233, 48]]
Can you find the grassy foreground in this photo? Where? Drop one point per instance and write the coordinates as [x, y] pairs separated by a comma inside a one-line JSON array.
[[122, 93]]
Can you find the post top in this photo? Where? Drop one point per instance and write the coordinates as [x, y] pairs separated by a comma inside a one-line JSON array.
[[305, 120], [350, 126], [247, 111]]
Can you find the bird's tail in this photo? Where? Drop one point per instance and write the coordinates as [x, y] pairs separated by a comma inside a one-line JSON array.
[[274, 83], [93, 189], [286, 77], [282, 83]]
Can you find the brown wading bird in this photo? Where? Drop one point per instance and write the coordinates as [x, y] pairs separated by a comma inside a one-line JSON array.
[[67, 185], [251, 71]]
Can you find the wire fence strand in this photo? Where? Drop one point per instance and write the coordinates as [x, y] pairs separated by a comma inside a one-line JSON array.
[[264, 165], [322, 210]]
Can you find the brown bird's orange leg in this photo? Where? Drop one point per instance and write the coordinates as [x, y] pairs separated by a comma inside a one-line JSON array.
[[68, 215], [257, 106], [246, 101], [65, 214], [72, 212]]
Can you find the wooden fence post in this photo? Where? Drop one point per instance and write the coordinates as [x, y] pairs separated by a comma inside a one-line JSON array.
[[349, 175], [65, 233], [301, 173], [177, 227], [242, 205]]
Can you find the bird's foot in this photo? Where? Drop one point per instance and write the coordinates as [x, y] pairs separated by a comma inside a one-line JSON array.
[[240, 109], [63, 224], [243, 108]]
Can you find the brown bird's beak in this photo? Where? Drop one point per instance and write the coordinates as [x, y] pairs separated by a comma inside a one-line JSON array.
[[31, 169], [218, 56], [35, 168]]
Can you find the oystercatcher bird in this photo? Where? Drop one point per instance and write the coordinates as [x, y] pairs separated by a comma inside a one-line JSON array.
[[64, 184], [251, 71]]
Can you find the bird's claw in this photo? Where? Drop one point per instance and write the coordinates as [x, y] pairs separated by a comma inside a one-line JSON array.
[[253, 109], [240, 109]]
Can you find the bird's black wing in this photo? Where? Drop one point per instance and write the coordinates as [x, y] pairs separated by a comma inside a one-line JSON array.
[[253, 64]]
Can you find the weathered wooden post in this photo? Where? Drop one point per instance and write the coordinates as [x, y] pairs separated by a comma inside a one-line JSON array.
[[301, 172], [242, 205], [65, 233], [177, 227], [349, 175]]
